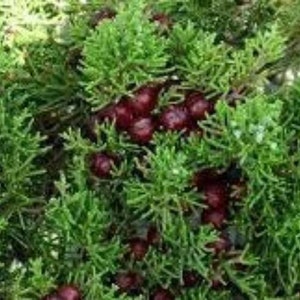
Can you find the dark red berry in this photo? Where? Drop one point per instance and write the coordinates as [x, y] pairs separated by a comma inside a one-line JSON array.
[[190, 278], [194, 129], [162, 20], [69, 292], [216, 284], [162, 294], [221, 245], [174, 118], [99, 16], [123, 115], [102, 164], [145, 99], [198, 107], [128, 282], [107, 113], [138, 248], [52, 296], [215, 217], [215, 195], [153, 236], [142, 130], [204, 177]]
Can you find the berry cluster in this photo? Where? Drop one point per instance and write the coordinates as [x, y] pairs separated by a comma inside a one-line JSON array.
[[221, 192], [135, 116], [65, 292], [140, 116], [218, 189], [130, 282]]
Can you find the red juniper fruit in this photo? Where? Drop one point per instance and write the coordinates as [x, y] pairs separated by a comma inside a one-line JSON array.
[[102, 164], [162, 294], [106, 113], [52, 296], [129, 282], [190, 278], [204, 177], [221, 245], [194, 129], [163, 20], [216, 284], [215, 195], [198, 107], [215, 217], [145, 99], [69, 292], [153, 236], [123, 115], [99, 16], [138, 248], [174, 118], [141, 130]]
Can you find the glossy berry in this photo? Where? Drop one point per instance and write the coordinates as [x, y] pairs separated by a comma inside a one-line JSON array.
[[194, 129], [138, 248], [162, 294], [216, 284], [141, 130], [153, 236], [69, 292], [145, 99], [174, 118], [204, 177], [99, 16], [215, 195], [52, 296], [190, 278], [123, 115], [102, 164], [106, 113], [214, 217], [120, 113], [198, 107], [128, 282]]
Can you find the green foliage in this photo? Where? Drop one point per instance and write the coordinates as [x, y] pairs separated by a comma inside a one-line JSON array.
[[48, 83], [240, 132], [19, 173], [202, 62], [232, 21], [60, 224], [163, 191], [29, 21], [122, 52], [19, 149]]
